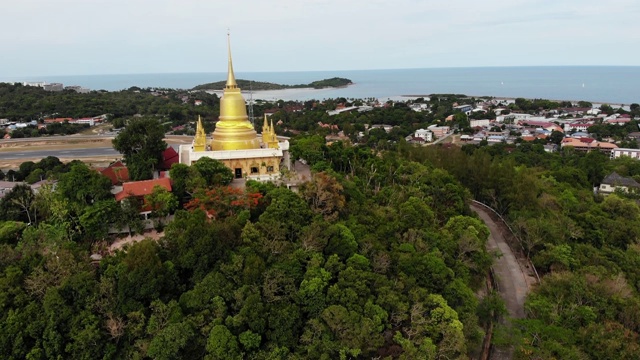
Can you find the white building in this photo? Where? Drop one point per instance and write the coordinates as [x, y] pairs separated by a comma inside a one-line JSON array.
[[513, 117], [632, 153], [479, 123], [425, 134]]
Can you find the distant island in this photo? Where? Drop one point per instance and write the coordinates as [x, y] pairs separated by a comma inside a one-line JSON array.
[[261, 85]]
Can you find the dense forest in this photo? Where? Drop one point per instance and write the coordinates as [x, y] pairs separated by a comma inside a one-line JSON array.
[[584, 245], [261, 85], [587, 305], [377, 256], [25, 103], [347, 268]]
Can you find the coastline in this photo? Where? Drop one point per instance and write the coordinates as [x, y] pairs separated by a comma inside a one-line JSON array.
[[594, 103], [602, 84]]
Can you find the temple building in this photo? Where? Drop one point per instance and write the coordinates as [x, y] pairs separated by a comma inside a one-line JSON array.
[[235, 142]]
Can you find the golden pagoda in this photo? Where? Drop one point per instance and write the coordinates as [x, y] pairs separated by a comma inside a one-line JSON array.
[[200, 140], [235, 142], [233, 130]]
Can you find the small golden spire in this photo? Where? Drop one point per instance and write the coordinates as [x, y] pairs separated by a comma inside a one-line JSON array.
[[265, 126], [200, 140], [231, 78], [273, 130]]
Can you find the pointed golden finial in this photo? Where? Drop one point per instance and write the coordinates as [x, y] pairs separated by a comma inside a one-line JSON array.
[[265, 126], [273, 130], [231, 78], [200, 140]]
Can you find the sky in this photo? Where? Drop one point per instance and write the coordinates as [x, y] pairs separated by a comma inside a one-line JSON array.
[[81, 37]]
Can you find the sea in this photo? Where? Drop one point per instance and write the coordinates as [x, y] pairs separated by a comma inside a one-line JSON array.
[[596, 84]]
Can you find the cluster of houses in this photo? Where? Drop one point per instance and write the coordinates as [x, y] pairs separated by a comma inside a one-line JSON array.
[[509, 128]]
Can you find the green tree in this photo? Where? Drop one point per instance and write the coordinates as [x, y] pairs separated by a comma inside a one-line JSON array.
[[18, 205], [312, 149], [95, 221], [286, 211], [162, 203], [213, 172], [83, 186], [556, 137], [141, 142], [222, 344]]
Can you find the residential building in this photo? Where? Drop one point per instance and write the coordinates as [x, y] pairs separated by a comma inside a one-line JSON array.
[[479, 123], [463, 108], [632, 153], [588, 144], [424, 134], [54, 87], [614, 182], [439, 131]]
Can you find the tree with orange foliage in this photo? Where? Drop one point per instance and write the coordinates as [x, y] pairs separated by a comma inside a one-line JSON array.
[[223, 201]]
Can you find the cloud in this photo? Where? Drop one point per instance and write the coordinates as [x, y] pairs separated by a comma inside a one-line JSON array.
[[130, 36]]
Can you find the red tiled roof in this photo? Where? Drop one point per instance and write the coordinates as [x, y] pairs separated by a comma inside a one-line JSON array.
[[142, 188], [116, 172], [169, 157], [587, 140]]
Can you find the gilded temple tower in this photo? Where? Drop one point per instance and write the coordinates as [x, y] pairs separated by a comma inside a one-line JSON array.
[[200, 140], [235, 142], [233, 130]]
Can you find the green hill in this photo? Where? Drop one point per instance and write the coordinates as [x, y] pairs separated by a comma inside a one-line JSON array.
[[261, 85]]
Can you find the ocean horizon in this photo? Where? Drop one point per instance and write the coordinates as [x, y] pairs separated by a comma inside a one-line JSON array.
[[599, 84]]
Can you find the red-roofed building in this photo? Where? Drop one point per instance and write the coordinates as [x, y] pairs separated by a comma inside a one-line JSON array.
[[619, 121], [116, 172], [588, 144], [169, 157], [141, 188]]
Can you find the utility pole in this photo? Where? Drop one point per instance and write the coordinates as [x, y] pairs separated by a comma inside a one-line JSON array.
[[251, 102]]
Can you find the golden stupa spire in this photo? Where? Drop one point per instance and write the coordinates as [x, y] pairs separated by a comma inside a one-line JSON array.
[[269, 138], [200, 140], [231, 77], [265, 132], [233, 130]]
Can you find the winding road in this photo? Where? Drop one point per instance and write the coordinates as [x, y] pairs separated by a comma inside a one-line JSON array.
[[512, 275]]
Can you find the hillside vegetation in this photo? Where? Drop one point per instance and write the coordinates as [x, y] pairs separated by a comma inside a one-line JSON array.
[[261, 85]]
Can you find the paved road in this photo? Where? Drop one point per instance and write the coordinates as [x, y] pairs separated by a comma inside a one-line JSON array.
[[509, 275], [60, 153]]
